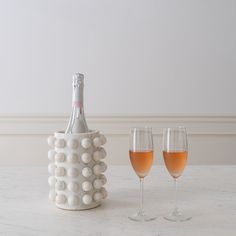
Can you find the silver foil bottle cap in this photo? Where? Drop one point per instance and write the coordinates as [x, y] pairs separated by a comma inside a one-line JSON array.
[[78, 79]]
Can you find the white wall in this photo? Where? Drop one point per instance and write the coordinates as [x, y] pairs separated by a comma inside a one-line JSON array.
[[139, 57], [146, 57]]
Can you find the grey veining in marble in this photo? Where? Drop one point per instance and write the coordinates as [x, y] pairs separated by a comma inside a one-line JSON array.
[[208, 193]]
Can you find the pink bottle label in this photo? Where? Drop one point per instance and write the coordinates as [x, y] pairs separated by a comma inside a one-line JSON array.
[[78, 104]]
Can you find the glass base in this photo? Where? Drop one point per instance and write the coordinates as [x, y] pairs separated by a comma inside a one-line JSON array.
[[142, 216], [176, 216]]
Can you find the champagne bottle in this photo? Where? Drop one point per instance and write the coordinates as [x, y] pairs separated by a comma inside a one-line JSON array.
[[77, 122]]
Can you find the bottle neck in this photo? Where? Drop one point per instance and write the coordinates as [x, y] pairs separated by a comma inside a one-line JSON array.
[[77, 122], [78, 97]]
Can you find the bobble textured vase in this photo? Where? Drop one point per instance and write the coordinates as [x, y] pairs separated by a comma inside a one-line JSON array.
[[76, 170]]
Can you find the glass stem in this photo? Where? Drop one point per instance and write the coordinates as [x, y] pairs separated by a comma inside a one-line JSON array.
[[141, 196], [176, 210]]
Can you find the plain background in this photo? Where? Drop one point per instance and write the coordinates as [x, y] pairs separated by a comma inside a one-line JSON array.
[[156, 62], [138, 57]]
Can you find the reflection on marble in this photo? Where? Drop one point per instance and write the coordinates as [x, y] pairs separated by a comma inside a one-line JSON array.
[[208, 193]]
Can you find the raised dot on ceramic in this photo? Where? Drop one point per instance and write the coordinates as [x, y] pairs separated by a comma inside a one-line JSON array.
[[52, 195], [103, 139], [73, 187], [86, 143], [51, 141], [103, 166], [103, 152], [97, 183], [73, 172], [97, 142], [60, 199], [72, 143], [99, 154], [73, 200], [52, 181], [87, 199], [60, 143], [97, 196], [72, 158], [86, 172], [60, 157], [86, 157], [86, 186], [60, 185], [104, 192], [60, 171], [103, 179], [51, 168], [51, 155], [97, 169]]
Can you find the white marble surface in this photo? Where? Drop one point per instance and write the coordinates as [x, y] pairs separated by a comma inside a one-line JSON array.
[[208, 193]]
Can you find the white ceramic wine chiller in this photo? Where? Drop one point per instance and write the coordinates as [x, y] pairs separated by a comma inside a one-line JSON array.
[[76, 170]]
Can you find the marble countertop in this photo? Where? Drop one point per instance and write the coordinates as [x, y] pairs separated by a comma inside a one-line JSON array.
[[208, 193]]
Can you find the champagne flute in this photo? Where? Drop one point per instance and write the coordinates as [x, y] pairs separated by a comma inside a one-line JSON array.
[[175, 153], [141, 157]]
